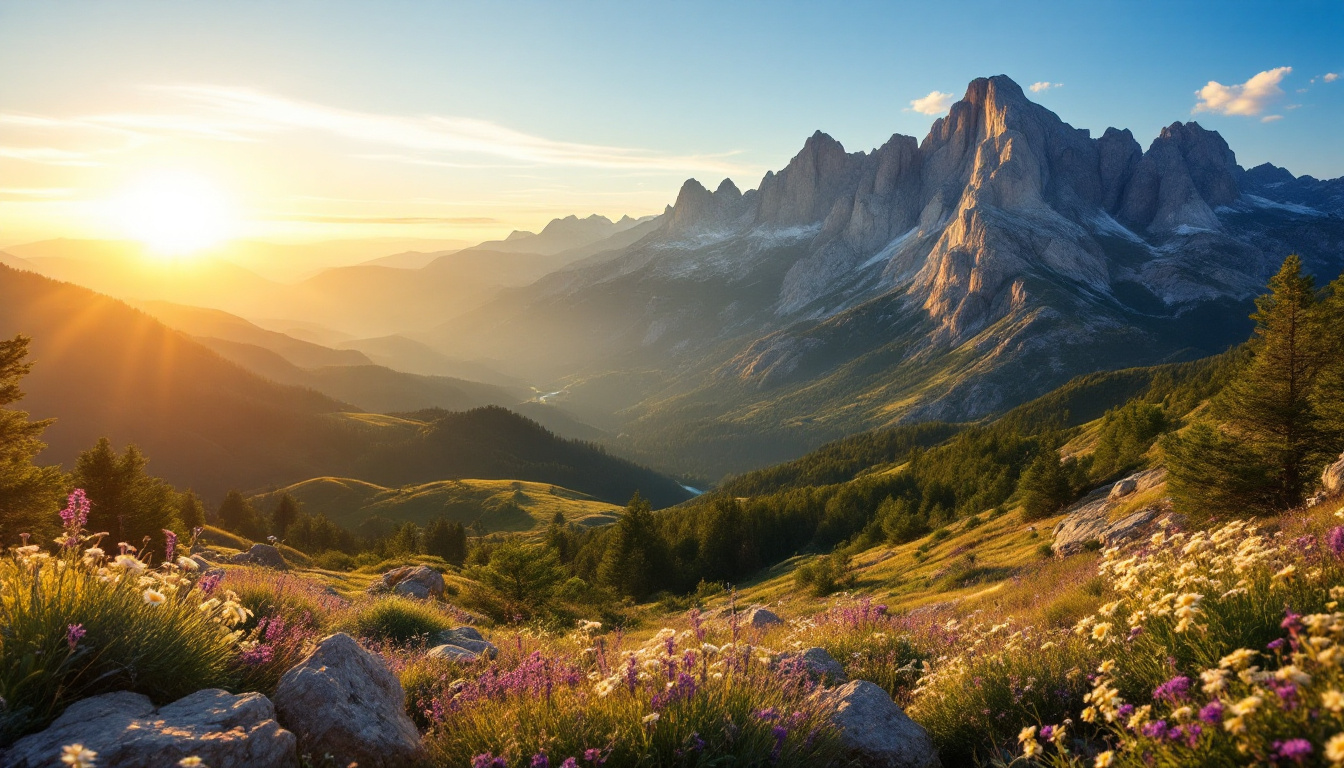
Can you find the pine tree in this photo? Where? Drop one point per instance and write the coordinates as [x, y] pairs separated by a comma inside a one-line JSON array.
[[285, 514], [1045, 485], [29, 495], [521, 580], [1210, 471], [125, 501], [406, 540], [190, 511], [1270, 407], [236, 514], [636, 560], [1329, 395], [446, 539]]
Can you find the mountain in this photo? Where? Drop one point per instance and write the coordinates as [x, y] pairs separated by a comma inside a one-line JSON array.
[[565, 235], [943, 279], [103, 368], [213, 323]]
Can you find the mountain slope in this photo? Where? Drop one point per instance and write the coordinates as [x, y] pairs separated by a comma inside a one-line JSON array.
[[213, 323], [102, 368], [945, 279]]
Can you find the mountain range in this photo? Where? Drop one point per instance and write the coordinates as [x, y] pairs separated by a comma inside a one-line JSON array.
[[948, 278]]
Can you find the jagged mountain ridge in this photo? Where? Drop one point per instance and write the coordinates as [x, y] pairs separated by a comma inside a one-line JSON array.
[[948, 278]]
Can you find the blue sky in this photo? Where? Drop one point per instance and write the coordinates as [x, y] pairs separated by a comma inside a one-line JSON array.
[[466, 120]]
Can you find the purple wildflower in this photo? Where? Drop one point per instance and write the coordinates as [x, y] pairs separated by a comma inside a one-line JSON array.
[[697, 743], [1277, 645], [1293, 749], [485, 760], [780, 733], [594, 756], [257, 655], [1192, 733], [73, 634], [76, 512], [210, 581], [1212, 712], [1291, 622], [1125, 711], [1335, 541], [1155, 730], [766, 715], [540, 760], [1046, 732], [1174, 690], [170, 548], [570, 763]]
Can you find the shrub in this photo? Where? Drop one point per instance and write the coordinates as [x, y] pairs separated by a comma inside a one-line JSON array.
[[80, 624], [825, 575], [334, 560], [395, 620], [872, 644], [273, 594]]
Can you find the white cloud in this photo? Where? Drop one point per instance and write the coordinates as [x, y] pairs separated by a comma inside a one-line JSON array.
[[936, 103], [1270, 118], [247, 115], [1044, 85], [1249, 98], [1330, 77]]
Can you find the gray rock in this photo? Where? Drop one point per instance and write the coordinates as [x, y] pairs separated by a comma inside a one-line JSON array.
[[758, 617], [819, 665], [264, 555], [127, 731], [419, 581], [468, 638], [451, 652], [1084, 523], [344, 701], [1130, 527], [876, 731], [1332, 479], [1123, 488]]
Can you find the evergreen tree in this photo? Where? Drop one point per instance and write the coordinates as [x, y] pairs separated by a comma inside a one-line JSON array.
[[636, 560], [1273, 430], [125, 501], [285, 514], [520, 580], [1211, 471], [406, 540], [1329, 395], [236, 514], [724, 542], [446, 539], [190, 511], [29, 495], [1045, 486]]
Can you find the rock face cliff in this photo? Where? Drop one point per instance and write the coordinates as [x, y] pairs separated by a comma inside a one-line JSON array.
[[947, 278]]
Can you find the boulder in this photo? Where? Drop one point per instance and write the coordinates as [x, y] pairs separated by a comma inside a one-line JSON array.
[[1332, 479], [419, 581], [818, 664], [875, 730], [127, 731], [342, 700], [451, 652], [758, 617], [467, 638], [264, 555], [1123, 488]]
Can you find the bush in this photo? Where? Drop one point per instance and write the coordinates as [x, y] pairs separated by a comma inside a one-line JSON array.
[[395, 620], [272, 594], [334, 560], [825, 575], [76, 627]]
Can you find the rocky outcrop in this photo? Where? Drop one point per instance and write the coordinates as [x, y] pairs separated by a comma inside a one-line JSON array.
[[875, 730], [1087, 523], [1186, 173], [1332, 479], [817, 664], [127, 731], [418, 581], [342, 700], [759, 617], [263, 555]]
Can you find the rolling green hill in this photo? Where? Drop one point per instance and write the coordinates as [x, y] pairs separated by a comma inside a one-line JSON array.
[[496, 505]]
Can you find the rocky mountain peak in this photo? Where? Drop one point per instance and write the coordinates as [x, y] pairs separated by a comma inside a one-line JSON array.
[[1186, 173], [699, 209]]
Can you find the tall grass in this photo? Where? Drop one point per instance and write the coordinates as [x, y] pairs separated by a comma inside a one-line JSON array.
[[395, 620], [80, 624]]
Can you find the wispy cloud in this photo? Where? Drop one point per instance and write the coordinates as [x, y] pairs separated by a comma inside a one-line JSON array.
[[1044, 85], [1270, 118], [936, 103], [248, 115], [1250, 98], [1330, 77]]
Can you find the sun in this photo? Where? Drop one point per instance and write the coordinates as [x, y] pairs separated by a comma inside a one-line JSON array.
[[174, 213]]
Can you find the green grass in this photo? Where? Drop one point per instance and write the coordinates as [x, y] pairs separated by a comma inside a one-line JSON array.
[[395, 620]]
